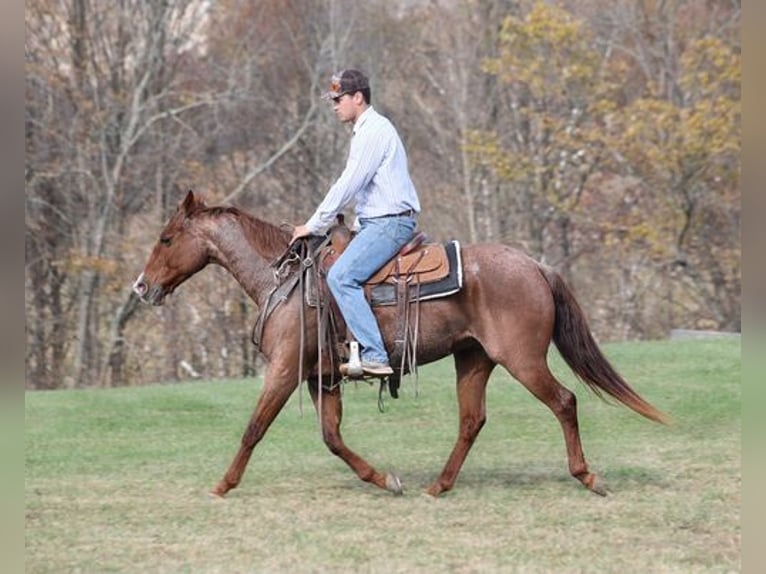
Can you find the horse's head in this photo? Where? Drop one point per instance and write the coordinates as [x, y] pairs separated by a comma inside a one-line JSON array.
[[178, 254]]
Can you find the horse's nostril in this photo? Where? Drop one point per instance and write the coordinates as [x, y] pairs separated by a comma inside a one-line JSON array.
[[140, 288]]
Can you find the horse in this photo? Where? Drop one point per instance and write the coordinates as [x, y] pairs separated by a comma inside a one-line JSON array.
[[509, 310]]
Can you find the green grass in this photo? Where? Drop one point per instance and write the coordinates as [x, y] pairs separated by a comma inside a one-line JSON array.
[[116, 480]]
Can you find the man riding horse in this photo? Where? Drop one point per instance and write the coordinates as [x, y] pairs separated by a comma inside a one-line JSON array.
[[377, 179], [508, 310]]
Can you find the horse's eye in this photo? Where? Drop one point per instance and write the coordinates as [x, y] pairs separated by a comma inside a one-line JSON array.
[[165, 240]]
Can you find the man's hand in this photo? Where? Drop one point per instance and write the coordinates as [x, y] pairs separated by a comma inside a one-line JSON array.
[[298, 232]]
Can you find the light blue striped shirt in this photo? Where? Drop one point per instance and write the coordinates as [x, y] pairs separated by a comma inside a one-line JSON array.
[[375, 176]]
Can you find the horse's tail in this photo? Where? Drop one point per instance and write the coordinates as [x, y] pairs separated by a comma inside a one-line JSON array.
[[579, 349]]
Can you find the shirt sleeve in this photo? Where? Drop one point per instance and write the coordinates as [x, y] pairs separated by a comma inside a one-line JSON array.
[[365, 156]]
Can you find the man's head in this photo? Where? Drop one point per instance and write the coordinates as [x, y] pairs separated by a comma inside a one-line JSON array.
[[350, 94], [349, 82]]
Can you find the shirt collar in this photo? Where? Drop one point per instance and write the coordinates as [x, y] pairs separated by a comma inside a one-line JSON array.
[[361, 119]]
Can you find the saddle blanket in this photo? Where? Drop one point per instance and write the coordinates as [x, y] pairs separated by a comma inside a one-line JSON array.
[[384, 293]]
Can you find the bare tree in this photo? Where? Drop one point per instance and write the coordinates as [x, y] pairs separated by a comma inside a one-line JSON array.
[[516, 116], [115, 93]]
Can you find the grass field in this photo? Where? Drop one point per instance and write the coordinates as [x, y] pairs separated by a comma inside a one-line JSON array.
[[116, 480]]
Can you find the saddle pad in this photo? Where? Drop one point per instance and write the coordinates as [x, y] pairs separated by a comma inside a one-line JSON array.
[[385, 293]]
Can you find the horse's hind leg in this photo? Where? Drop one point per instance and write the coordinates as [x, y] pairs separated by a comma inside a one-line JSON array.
[[473, 370], [541, 383], [331, 416]]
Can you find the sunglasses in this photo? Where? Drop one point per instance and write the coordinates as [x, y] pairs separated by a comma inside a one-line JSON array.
[[337, 99]]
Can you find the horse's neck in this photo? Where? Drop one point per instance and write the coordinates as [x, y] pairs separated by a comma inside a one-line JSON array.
[[240, 248]]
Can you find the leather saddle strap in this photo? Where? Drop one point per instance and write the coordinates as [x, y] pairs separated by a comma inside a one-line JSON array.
[[402, 312], [413, 339], [403, 281], [404, 344]]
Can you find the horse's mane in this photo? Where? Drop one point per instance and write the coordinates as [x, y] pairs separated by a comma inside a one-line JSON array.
[[271, 240]]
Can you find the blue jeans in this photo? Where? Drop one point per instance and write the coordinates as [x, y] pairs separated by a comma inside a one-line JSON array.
[[377, 241]]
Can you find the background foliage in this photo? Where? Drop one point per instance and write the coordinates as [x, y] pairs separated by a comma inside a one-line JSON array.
[[602, 136]]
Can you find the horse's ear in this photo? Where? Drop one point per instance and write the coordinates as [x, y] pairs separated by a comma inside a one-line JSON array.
[[191, 203]]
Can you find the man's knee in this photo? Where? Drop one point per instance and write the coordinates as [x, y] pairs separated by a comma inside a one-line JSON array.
[[337, 278], [332, 279]]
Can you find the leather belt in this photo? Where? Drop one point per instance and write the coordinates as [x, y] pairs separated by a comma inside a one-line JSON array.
[[407, 213]]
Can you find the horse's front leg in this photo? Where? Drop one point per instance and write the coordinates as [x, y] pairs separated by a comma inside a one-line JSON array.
[[330, 416], [279, 383]]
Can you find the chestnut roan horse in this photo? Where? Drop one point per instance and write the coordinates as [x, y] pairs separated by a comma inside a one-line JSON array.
[[509, 310]]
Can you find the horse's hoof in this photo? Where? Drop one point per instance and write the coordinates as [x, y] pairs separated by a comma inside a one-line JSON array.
[[394, 485], [597, 487], [433, 491], [219, 492]]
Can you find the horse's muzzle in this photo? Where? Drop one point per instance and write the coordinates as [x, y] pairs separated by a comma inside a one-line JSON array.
[[154, 295]]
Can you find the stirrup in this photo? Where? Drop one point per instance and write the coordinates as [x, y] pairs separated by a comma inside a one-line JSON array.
[[354, 366]]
